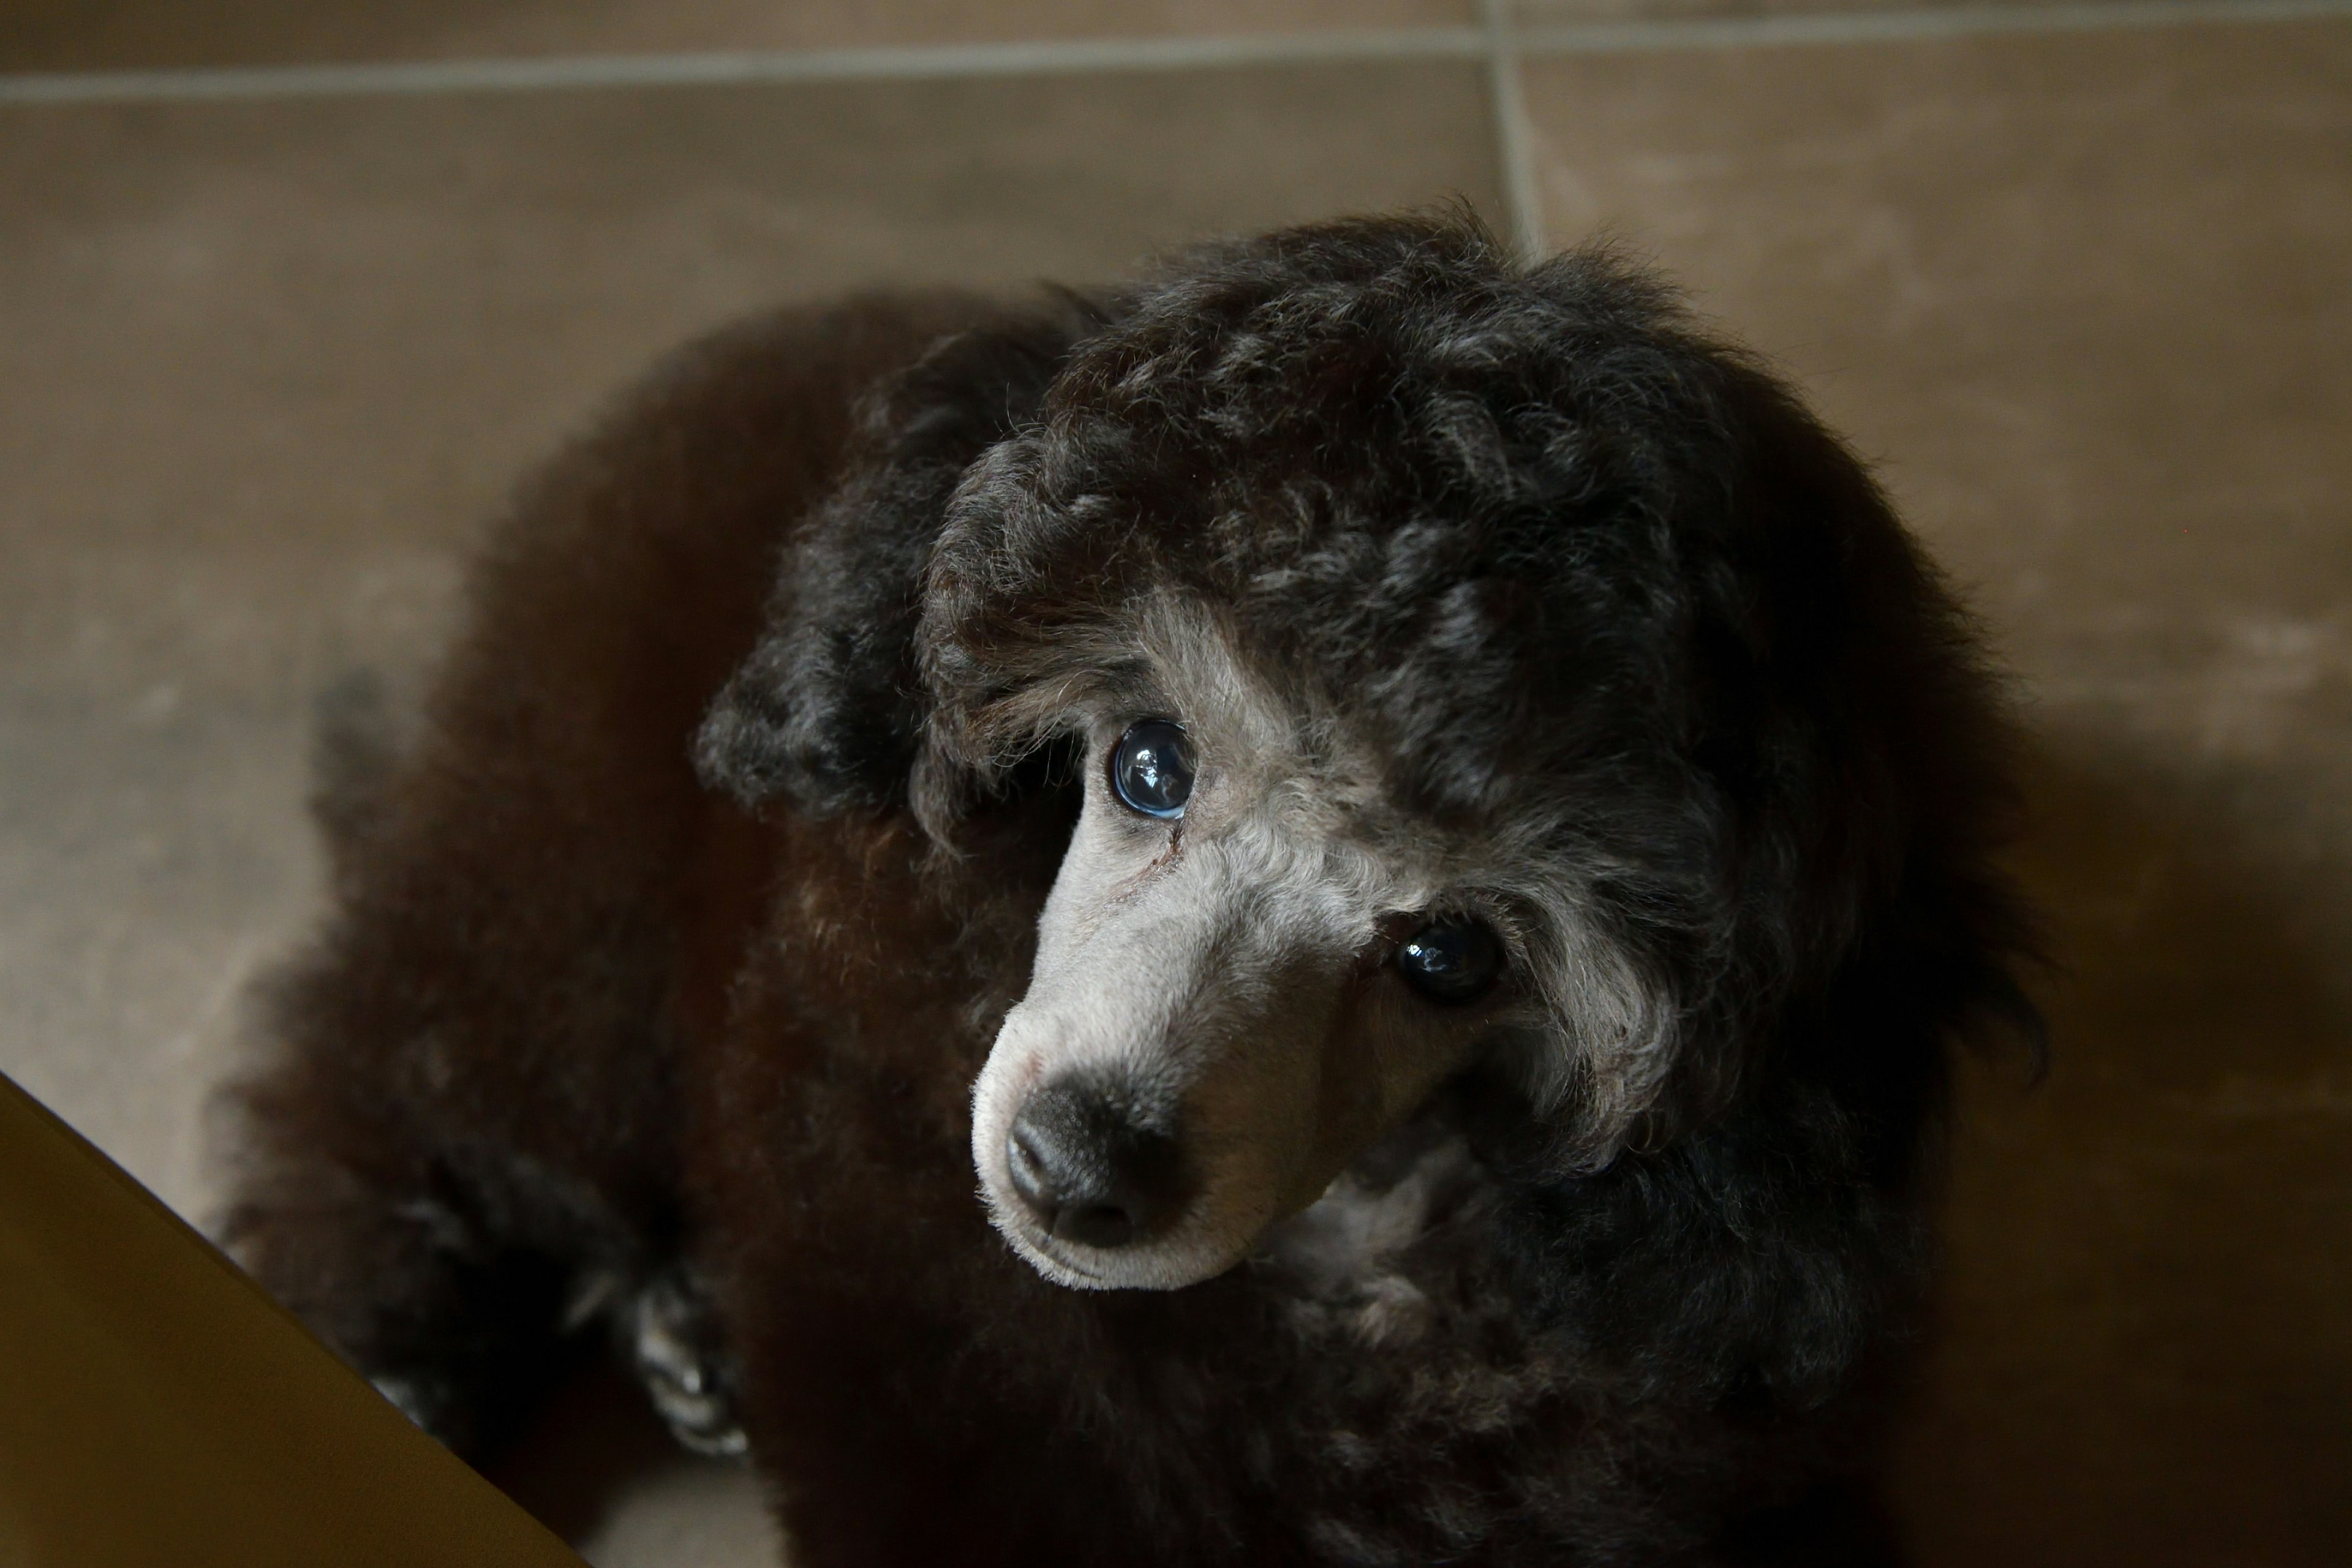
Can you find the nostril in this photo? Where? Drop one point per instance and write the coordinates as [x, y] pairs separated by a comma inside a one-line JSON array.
[[1032, 1176], [1088, 1172]]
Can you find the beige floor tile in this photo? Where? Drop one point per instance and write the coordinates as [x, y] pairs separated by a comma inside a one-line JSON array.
[[2088, 301], [266, 369], [116, 34]]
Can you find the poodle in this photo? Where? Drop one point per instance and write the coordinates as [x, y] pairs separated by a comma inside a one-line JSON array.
[[1310, 911]]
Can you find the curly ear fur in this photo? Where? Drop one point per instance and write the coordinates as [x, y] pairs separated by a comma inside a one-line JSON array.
[[828, 707]]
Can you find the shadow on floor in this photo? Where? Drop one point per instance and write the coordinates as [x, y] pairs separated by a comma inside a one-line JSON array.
[[2146, 1357]]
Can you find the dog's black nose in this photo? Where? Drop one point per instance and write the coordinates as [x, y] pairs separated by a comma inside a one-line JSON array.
[[1088, 1171]]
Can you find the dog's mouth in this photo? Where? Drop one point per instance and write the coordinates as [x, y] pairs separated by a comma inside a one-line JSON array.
[[1170, 1263], [1055, 1261], [1094, 1201]]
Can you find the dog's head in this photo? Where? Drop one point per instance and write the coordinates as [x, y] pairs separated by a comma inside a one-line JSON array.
[[1474, 673]]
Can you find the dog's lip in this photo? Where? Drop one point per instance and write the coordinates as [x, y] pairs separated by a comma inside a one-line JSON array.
[[1050, 1248], [1079, 1267], [1073, 1259], [1062, 1260]]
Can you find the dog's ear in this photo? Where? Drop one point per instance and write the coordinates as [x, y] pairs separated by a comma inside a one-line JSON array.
[[828, 707]]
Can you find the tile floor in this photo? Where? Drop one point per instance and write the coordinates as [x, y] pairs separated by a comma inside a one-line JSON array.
[[2085, 294]]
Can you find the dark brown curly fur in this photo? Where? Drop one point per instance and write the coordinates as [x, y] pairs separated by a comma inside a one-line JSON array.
[[581, 1028]]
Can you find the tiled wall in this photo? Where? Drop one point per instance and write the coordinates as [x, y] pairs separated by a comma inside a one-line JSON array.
[[2079, 280]]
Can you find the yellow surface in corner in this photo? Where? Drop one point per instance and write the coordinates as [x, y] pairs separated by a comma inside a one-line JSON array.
[[157, 1408]]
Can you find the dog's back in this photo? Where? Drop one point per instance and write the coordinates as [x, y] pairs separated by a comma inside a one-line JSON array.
[[473, 1109]]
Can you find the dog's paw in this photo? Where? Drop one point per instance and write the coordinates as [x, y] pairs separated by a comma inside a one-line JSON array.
[[684, 1364]]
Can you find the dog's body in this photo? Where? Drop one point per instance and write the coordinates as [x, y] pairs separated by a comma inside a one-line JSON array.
[[1489, 603]]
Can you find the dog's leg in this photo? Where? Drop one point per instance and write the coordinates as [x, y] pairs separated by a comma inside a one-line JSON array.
[[673, 1337]]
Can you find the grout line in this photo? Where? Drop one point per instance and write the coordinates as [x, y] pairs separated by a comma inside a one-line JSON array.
[[1514, 133], [926, 63], [1493, 43], [1925, 23]]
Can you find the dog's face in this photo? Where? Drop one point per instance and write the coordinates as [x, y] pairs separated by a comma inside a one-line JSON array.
[[1474, 672], [1250, 968]]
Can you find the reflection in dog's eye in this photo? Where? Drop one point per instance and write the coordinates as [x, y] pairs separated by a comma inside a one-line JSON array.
[[1450, 960], [1152, 768]]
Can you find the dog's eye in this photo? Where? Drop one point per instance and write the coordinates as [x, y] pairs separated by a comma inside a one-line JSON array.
[[1450, 960], [1152, 768]]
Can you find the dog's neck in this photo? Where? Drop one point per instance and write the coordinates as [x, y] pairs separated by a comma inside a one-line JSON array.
[[1358, 1251]]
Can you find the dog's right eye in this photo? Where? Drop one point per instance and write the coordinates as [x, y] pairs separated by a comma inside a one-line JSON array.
[[1450, 960], [1151, 769]]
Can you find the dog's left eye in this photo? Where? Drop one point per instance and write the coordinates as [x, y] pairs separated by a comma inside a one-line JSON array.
[[1450, 960], [1152, 768]]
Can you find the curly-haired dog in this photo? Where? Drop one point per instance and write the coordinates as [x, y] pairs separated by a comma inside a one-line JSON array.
[[1423, 829]]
